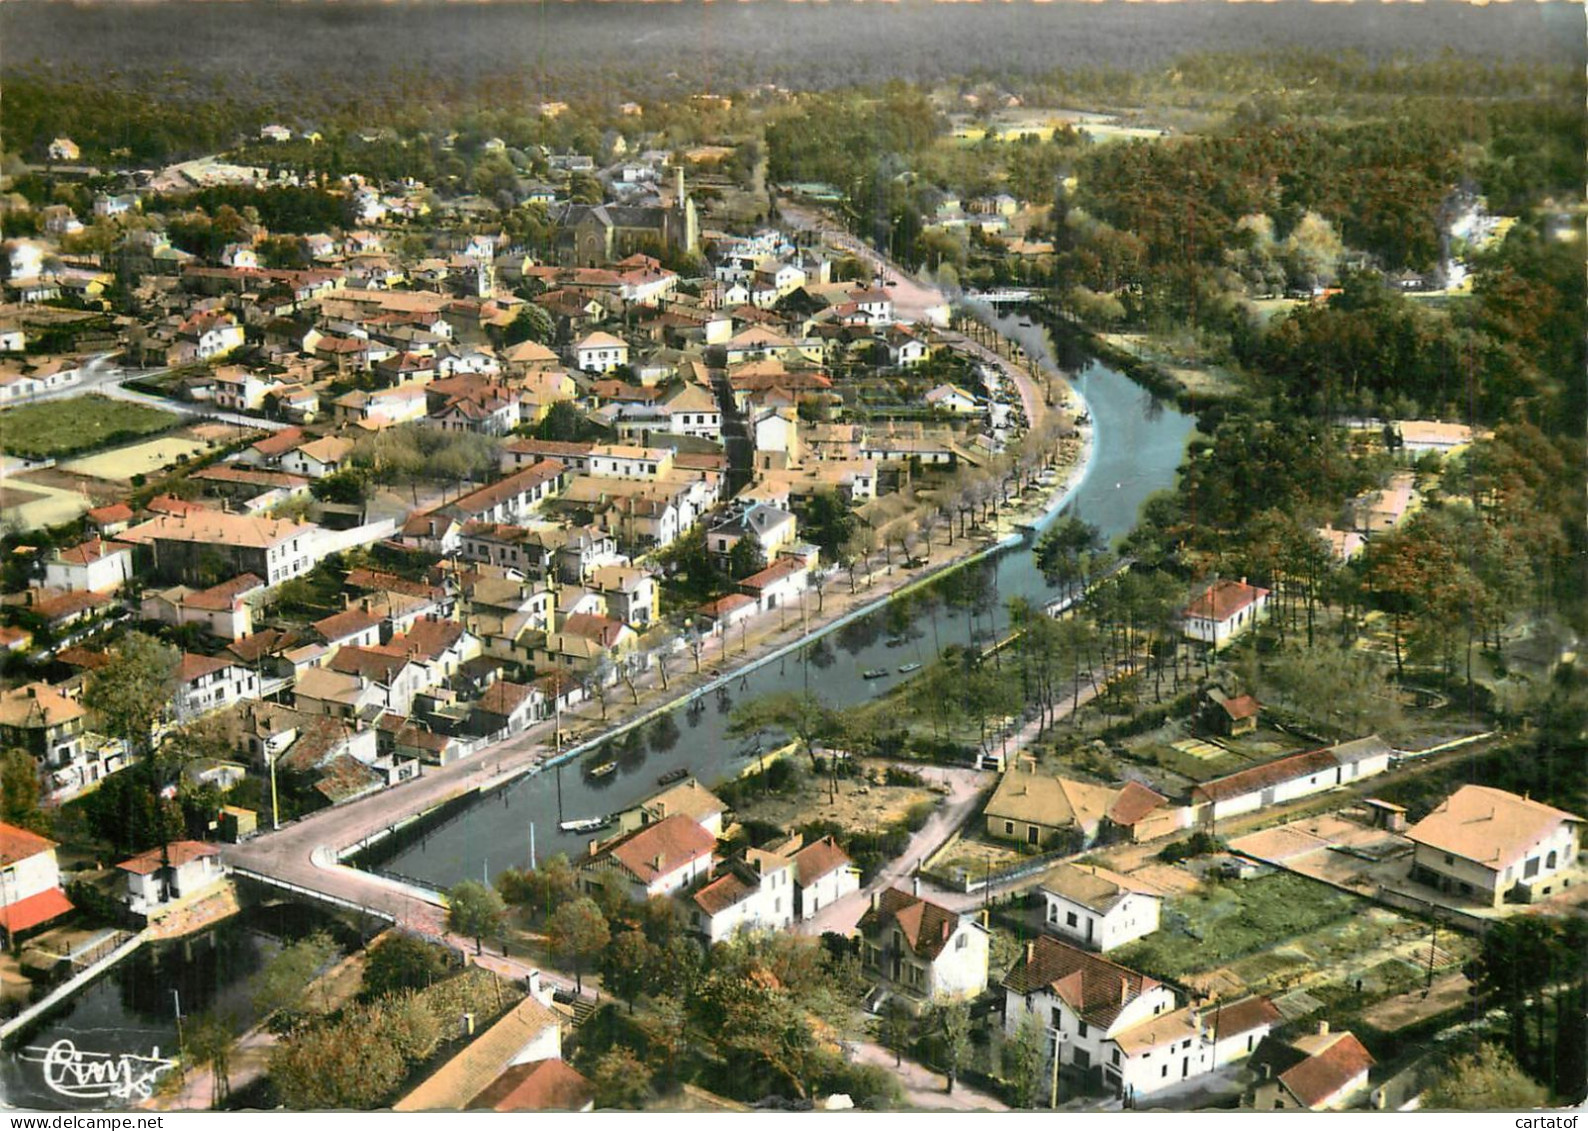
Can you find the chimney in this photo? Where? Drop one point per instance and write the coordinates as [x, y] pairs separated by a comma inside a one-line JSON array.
[[468, 1024], [594, 844], [876, 898], [1124, 989], [915, 886], [1323, 1028], [1031, 951]]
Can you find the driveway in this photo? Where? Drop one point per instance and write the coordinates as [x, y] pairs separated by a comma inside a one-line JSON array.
[[965, 791], [924, 1090]]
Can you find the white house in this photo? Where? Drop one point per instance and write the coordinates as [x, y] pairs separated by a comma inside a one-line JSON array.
[[30, 882], [1097, 908], [1493, 847], [600, 352], [951, 398], [921, 952], [779, 584], [1322, 1071], [657, 859], [64, 149], [96, 565], [208, 683], [1104, 1018], [1223, 611], [318, 458], [169, 875], [510, 707], [756, 892], [1240, 1026], [692, 411], [1289, 778], [825, 874]]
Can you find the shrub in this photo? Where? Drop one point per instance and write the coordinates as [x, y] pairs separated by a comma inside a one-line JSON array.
[[1197, 844]]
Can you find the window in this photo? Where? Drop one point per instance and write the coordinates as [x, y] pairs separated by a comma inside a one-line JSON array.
[[1549, 861], [1449, 859], [1116, 1056], [1009, 828], [1165, 1072], [1058, 1019], [1070, 920], [1081, 1029], [1081, 1058], [959, 943], [1530, 869]]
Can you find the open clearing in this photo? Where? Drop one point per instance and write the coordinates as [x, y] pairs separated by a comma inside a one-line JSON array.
[[78, 424], [142, 458], [31, 506]]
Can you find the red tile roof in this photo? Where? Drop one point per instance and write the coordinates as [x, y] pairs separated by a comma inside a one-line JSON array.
[[1264, 776], [1323, 1074], [1134, 802], [226, 595], [37, 908], [1223, 599], [724, 892], [772, 574], [926, 926], [115, 512], [651, 852], [346, 623], [196, 667], [1241, 707], [181, 852], [820, 858], [20, 844], [1243, 1016], [429, 637], [1095, 988], [541, 1085], [602, 630], [379, 664], [504, 697]]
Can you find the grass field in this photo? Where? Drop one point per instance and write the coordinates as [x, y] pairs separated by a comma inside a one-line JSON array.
[[1223, 922], [78, 424]]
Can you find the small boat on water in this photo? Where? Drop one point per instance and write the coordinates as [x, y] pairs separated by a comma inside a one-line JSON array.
[[602, 770], [896, 641], [585, 824], [673, 775], [873, 673], [906, 669]]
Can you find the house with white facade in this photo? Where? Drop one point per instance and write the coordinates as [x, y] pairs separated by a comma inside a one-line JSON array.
[[1223, 611], [96, 566], [1097, 908], [922, 953], [1106, 1020], [209, 683], [1322, 1071], [1494, 847], [600, 352], [318, 459], [755, 891], [30, 882], [1289, 778], [169, 876], [824, 875], [659, 858]]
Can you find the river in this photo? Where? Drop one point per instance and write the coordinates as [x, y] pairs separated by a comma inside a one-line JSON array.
[[1138, 442]]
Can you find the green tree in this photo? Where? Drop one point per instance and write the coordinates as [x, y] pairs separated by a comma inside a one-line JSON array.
[[952, 1023], [1025, 1062], [622, 1080], [898, 1030], [356, 1061], [577, 932], [625, 965], [474, 910], [531, 324], [130, 693], [21, 789], [542, 889], [281, 988], [745, 558], [402, 962], [1488, 1079]]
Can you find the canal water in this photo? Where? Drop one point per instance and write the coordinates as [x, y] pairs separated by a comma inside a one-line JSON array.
[[1138, 442], [131, 1009]]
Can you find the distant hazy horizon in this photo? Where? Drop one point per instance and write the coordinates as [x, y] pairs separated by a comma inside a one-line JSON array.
[[733, 43]]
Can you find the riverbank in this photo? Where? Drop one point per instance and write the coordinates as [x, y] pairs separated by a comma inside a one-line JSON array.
[[307, 853]]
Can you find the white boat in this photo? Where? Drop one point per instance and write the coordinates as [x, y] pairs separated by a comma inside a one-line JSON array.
[[585, 824]]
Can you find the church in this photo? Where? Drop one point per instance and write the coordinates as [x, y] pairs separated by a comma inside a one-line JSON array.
[[589, 235]]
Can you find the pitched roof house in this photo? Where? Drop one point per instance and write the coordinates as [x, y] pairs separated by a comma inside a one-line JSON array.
[[1492, 846], [921, 952]]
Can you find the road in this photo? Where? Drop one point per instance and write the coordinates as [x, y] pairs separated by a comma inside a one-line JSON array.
[[923, 1088], [98, 375], [913, 301]]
